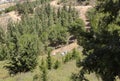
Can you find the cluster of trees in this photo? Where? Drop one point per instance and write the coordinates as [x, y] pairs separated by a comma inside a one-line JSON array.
[[48, 64], [102, 44], [32, 36], [25, 7], [43, 26]]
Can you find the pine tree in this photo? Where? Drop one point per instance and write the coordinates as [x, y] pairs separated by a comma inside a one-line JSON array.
[[3, 53], [56, 64], [75, 54], [44, 71], [24, 54], [49, 61]]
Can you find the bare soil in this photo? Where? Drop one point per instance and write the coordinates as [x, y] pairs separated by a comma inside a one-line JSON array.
[[66, 48]]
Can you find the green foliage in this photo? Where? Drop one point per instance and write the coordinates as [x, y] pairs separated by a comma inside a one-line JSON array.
[[25, 55], [68, 57], [56, 64], [11, 8], [25, 8], [49, 61], [55, 30], [58, 35], [3, 51], [28, 7], [44, 71], [3, 54], [101, 44], [75, 54], [43, 1], [40, 27], [78, 62], [2, 36], [77, 26]]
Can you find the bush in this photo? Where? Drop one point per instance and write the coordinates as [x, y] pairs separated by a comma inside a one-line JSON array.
[[71, 56], [10, 9], [3, 54], [24, 56], [25, 8], [42, 65], [44, 71], [78, 62], [75, 54], [56, 64], [68, 57]]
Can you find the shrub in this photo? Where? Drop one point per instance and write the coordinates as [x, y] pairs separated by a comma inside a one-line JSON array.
[[49, 61], [24, 54], [56, 64], [10, 9], [68, 57], [75, 54], [44, 71]]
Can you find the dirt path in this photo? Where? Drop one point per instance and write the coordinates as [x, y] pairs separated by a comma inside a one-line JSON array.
[[66, 48]]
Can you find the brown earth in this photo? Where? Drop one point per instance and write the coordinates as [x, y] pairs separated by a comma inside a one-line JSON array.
[[66, 48]]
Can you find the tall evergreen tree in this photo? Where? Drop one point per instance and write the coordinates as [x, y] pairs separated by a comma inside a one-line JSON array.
[[44, 71], [25, 55], [49, 61]]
